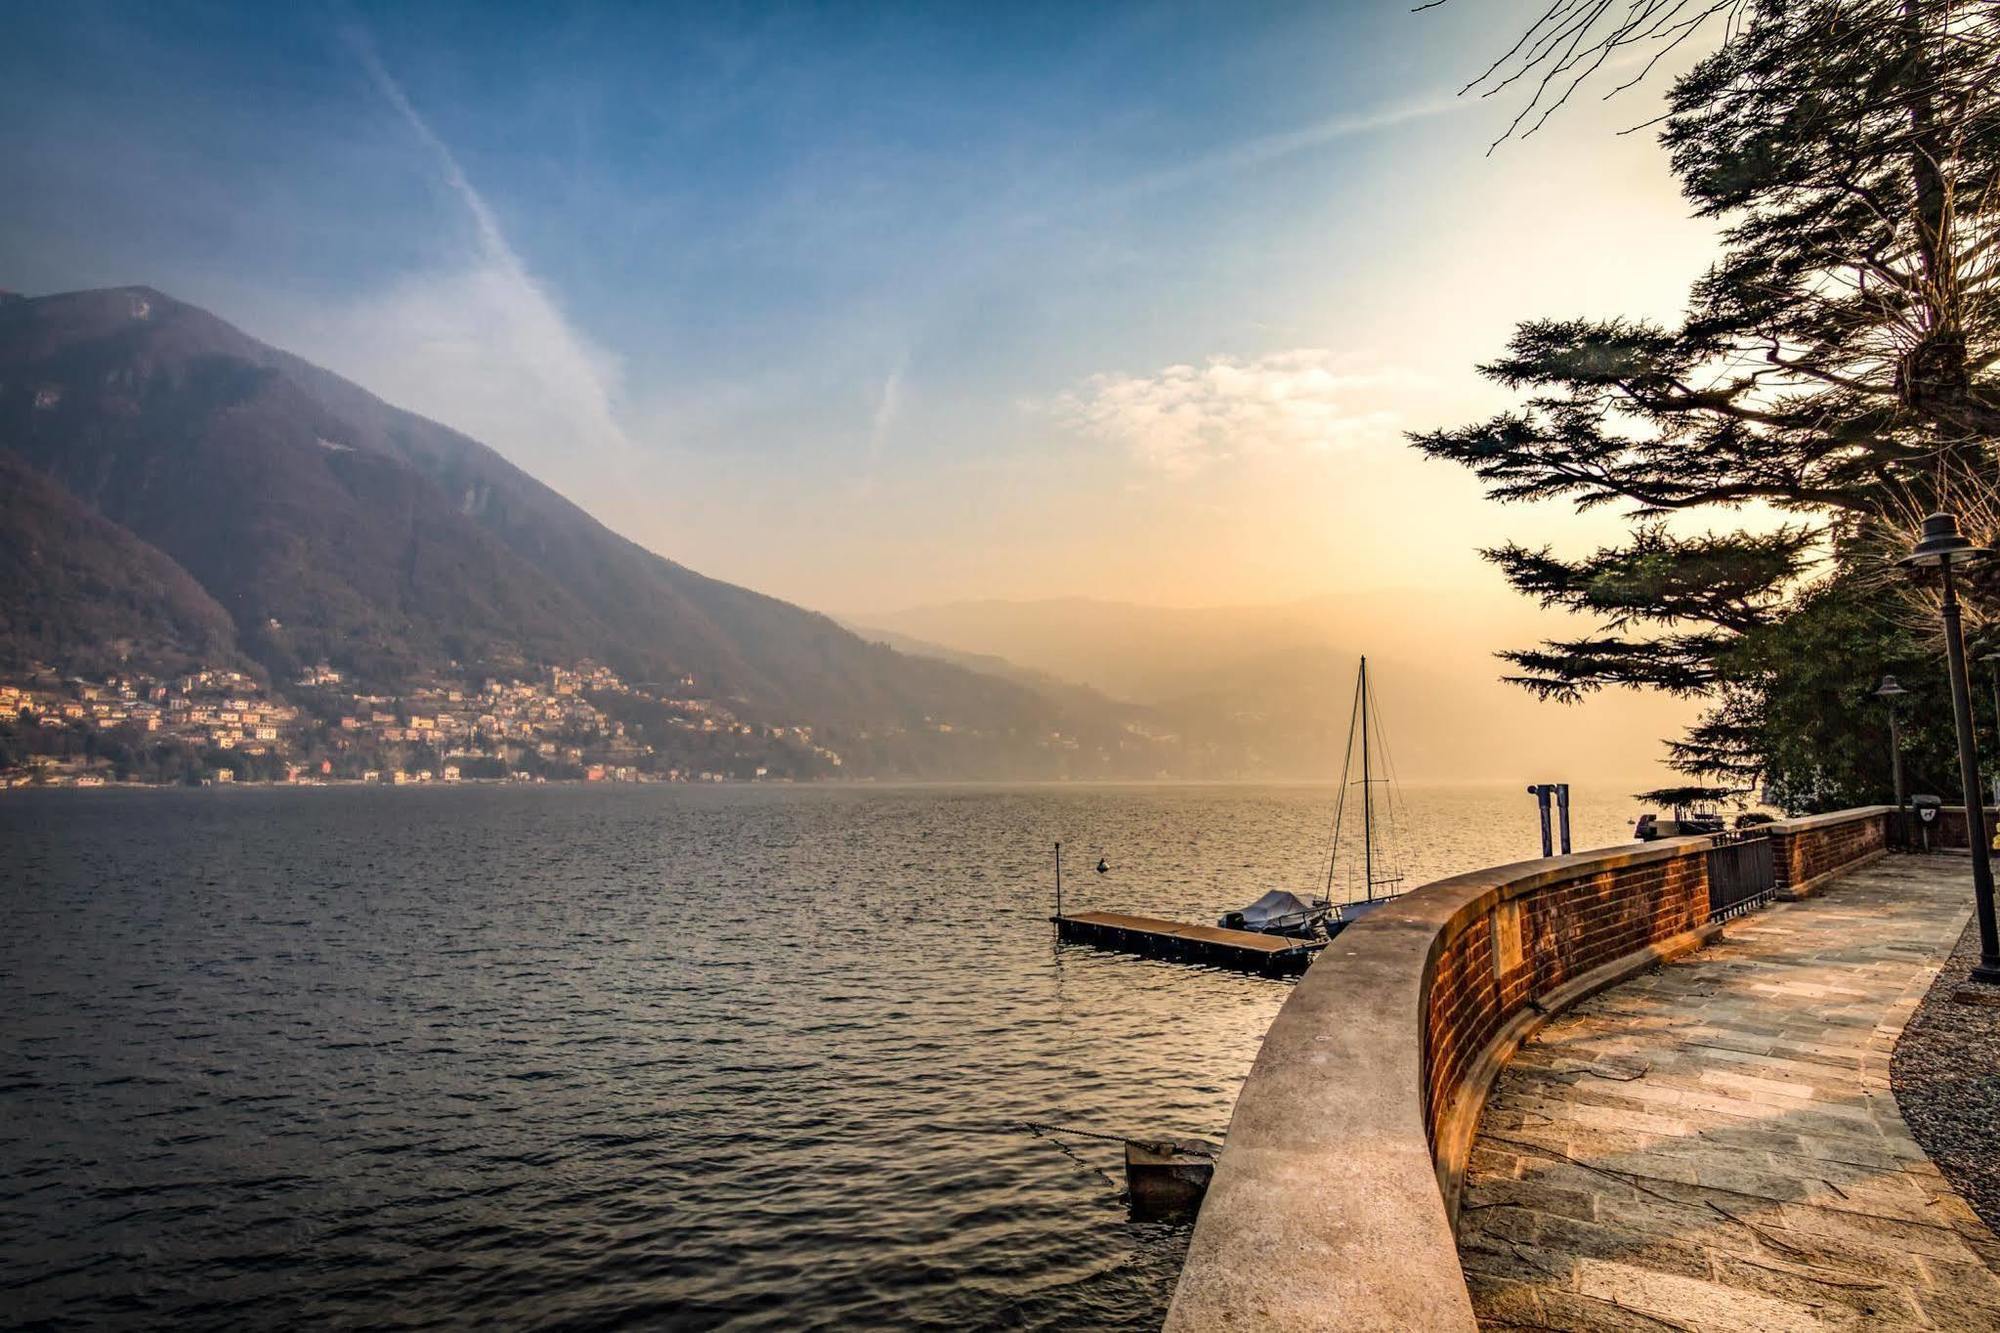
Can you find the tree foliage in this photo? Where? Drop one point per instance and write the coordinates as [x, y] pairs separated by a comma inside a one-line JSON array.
[[1836, 364], [1795, 706]]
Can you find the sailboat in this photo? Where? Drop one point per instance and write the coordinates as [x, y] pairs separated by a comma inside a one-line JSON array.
[[1380, 878]]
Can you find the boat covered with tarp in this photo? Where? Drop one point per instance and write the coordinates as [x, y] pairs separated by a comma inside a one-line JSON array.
[[1276, 912]]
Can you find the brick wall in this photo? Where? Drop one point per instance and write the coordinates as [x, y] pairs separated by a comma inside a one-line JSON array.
[[1806, 850], [1564, 928]]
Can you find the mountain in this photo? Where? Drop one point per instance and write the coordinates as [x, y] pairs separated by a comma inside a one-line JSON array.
[[1044, 683], [78, 589], [176, 452], [1268, 689], [179, 492], [1144, 654]]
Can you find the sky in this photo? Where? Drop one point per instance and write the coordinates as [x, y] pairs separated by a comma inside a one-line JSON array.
[[871, 306]]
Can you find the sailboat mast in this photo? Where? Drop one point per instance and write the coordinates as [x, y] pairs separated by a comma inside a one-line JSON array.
[[1340, 799], [1367, 790]]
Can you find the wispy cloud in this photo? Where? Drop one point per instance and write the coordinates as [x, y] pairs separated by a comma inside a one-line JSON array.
[[1225, 160], [478, 343], [863, 482], [1183, 418], [888, 407], [1266, 148]]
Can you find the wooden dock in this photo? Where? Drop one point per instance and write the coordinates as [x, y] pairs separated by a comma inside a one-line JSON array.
[[1152, 937]]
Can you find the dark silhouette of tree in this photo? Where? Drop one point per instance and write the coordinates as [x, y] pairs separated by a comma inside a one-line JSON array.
[[1837, 363]]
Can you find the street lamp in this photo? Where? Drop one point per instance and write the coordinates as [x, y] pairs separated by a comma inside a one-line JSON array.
[[1993, 661], [1888, 693], [1943, 548]]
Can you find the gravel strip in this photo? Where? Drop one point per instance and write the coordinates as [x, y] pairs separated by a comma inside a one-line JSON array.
[[1946, 1073]]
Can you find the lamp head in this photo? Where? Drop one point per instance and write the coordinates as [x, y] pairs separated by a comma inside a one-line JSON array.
[[1889, 689], [1943, 544]]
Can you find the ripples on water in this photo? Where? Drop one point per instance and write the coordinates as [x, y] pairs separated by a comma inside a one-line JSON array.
[[586, 1057]]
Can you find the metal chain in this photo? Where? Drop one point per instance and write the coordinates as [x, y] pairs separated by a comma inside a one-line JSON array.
[[1071, 1130]]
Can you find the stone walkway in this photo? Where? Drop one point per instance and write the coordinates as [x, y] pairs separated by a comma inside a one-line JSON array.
[[1714, 1145]]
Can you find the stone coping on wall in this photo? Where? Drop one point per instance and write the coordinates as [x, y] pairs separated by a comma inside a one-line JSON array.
[[1803, 823], [1329, 1207]]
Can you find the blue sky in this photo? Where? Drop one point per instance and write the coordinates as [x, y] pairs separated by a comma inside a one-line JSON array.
[[871, 306]]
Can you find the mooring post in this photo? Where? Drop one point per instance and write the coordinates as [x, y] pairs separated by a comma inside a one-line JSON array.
[[1540, 791], [1059, 879], [1562, 805]]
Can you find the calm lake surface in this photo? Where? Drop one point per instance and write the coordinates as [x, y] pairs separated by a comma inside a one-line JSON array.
[[668, 1057]]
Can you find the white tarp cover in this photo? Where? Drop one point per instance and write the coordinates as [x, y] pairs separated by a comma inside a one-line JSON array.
[[1276, 908]]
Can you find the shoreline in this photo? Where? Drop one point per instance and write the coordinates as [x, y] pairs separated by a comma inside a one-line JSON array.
[[965, 784]]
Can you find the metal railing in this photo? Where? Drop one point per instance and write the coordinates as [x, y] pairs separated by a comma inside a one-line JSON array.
[[1742, 874]]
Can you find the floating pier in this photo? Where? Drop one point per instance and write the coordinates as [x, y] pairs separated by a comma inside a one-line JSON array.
[[1153, 937]]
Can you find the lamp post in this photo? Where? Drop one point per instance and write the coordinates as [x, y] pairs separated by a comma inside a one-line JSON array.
[[1992, 660], [1943, 548], [1888, 692]]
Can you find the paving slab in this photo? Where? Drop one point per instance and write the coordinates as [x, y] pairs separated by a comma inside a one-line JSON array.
[[1715, 1145]]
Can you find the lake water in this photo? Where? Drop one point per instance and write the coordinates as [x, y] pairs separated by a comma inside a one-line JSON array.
[[670, 1057]]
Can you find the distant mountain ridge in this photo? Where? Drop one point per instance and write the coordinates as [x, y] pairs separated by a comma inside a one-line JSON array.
[[1267, 688], [328, 525]]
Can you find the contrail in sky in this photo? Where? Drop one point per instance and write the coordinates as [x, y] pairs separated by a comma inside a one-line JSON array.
[[573, 371]]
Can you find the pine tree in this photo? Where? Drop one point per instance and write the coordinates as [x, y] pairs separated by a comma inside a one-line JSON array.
[[1840, 362]]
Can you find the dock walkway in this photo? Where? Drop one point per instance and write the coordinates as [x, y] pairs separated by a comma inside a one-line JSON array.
[[1715, 1145], [1155, 937]]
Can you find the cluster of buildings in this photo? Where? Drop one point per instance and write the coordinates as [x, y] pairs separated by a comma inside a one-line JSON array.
[[224, 710], [580, 723]]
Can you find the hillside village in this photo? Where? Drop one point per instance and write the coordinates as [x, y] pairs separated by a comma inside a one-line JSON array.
[[576, 723]]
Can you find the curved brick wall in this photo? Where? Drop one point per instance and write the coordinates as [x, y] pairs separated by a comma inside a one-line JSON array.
[[1332, 1205]]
